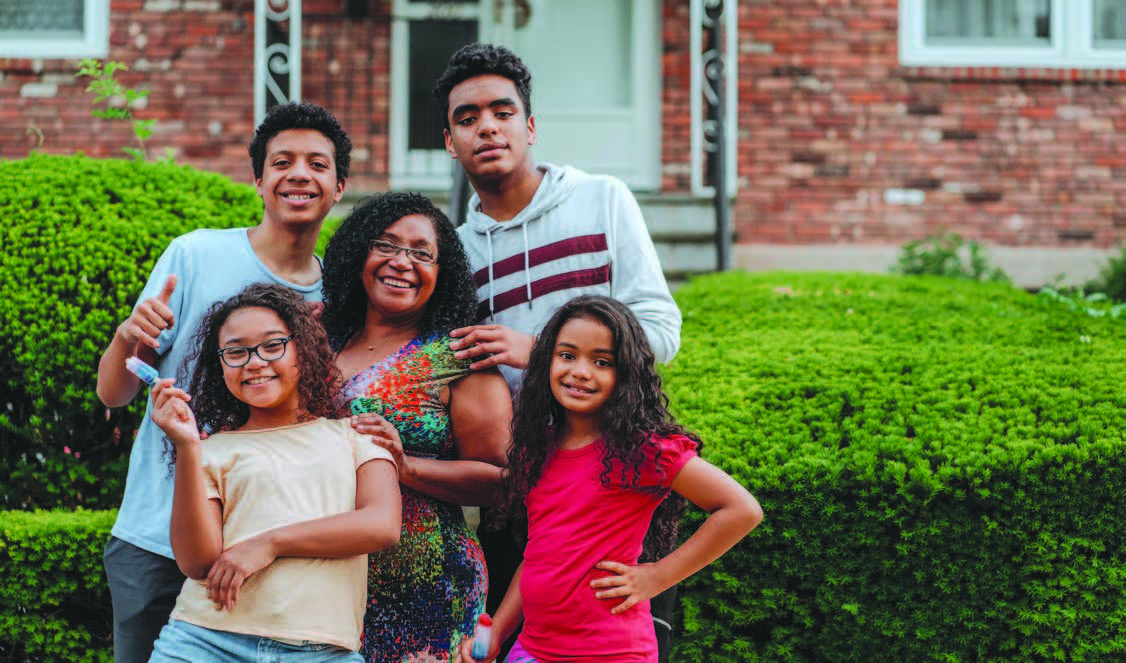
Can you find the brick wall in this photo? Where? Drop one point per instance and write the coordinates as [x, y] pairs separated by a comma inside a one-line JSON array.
[[196, 57], [838, 143]]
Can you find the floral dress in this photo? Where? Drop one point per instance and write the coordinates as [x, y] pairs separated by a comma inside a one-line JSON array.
[[424, 594]]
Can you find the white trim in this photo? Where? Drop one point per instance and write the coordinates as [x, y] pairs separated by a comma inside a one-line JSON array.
[[696, 96], [92, 43], [1070, 47], [263, 11]]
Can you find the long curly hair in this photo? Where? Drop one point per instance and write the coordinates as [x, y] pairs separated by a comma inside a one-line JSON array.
[[636, 411], [454, 301], [318, 386], [475, 60]]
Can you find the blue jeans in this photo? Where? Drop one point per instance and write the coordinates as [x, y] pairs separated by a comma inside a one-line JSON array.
[[181, 642]]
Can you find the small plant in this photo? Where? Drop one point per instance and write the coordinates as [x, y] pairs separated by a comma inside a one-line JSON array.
[[950, 256], [108, 90], [1094, 304], [1112, 278]]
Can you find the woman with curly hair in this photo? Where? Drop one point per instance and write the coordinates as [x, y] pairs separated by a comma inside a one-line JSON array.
[[274, 513], [595, 457], [396, 281]]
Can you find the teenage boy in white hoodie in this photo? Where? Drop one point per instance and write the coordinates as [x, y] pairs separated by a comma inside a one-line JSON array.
[[538, 236]]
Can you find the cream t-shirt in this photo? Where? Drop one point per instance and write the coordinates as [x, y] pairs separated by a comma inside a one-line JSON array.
[[274, 477]]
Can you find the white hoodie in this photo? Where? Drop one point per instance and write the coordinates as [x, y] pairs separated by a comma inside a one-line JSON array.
[[581, 234]]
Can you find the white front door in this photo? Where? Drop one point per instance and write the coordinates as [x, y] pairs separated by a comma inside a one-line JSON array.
[[596, 67]]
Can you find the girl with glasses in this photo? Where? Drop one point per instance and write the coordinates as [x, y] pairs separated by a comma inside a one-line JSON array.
[[274, 512]]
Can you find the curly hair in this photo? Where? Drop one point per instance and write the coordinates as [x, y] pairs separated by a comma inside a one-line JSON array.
[[454, 301], [635, 413], [301, 116], [478, 59], [216, 409]]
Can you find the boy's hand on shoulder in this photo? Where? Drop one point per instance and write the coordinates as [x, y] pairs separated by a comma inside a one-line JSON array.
[[506, 346], [151, 317], [171, 412], [634, 583]]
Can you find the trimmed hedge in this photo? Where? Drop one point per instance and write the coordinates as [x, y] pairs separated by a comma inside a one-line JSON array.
[[54, 603], [941, 465], [80, 237]]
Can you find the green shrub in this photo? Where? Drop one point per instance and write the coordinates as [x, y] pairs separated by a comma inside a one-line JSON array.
[[54, 602], [941, 465], [950, 256], [1111, 280], [80, 237]]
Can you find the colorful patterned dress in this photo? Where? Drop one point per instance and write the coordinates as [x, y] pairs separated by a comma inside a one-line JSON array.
[[424, 594]]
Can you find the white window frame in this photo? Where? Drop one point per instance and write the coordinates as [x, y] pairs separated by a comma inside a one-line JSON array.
[[1071, 45], [94, 42]]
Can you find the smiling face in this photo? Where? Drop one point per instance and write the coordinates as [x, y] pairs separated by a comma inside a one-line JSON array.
[[583, 372], [399, 288], [268, 387], [489, 131], [299, 183]]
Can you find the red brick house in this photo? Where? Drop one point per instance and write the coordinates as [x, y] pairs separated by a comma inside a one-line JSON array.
[[857, 125]]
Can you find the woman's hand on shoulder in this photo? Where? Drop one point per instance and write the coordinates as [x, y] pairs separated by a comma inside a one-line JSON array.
[[171, 412], [633, 583], [385, 435]]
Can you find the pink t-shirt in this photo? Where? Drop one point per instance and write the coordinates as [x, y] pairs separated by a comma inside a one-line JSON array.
[[574, 522]]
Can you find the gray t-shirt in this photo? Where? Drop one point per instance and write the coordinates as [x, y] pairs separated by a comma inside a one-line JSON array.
[[210, 266]]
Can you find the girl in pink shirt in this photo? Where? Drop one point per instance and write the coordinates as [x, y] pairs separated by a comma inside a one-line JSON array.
[[596, 456]]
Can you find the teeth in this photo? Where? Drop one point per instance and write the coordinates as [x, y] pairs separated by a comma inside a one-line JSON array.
[[299, 196], [397, 283], [259, 380]]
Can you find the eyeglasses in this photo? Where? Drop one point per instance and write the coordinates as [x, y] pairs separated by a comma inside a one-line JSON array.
[[238, 356], [390, 249]]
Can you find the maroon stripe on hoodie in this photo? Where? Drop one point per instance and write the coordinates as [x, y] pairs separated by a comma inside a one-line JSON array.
[[549, 284], [568, 247]]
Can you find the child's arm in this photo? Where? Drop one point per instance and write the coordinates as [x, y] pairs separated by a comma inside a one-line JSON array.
[[510, 613], [480, 414], [196, 528], [374, 525], [734, 513], [136, 336]]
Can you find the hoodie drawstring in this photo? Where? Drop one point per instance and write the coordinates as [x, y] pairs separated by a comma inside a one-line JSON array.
[[492, 283], [527, 267]]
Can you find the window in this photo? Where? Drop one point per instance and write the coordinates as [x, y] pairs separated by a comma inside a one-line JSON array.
[[1072, 34], [54, 28]]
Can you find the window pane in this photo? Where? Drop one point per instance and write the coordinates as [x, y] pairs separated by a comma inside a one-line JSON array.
[[55, 17], [988, 22], [1109, 20], [432, 42]]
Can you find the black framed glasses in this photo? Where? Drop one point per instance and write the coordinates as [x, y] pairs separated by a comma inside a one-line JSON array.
[[390, 249], [237, 356]]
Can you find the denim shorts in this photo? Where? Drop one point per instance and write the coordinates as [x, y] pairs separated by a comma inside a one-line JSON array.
[[181, 642]]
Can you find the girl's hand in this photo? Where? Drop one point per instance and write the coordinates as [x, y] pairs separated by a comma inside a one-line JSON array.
[[635, 583], [234, 567], [171, 412], [465, 652], [386, 436]]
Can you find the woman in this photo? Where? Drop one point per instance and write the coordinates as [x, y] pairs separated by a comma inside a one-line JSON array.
[[396, 281]]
